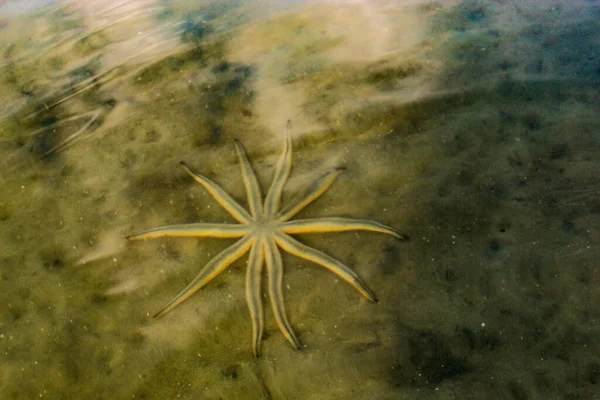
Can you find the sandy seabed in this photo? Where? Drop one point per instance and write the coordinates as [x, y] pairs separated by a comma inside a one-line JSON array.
[[472, 126]]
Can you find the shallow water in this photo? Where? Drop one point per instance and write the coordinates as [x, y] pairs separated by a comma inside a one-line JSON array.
[[472, 126]]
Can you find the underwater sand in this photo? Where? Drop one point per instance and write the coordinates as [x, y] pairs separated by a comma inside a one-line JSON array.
[[472, 126]]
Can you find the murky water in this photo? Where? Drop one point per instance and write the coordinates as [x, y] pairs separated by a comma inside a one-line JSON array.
[[472, 126]]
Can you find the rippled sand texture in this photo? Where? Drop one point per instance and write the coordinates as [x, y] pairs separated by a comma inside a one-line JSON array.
[[470, 125]]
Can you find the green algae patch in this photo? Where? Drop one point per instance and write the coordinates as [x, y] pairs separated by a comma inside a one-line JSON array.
[[91, 44], [389, 77], [168, 68]]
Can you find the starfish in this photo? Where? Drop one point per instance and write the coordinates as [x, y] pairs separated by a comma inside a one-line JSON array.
[[262, 230]]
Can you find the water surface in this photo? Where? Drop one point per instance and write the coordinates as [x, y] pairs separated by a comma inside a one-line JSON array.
[[473, 126]]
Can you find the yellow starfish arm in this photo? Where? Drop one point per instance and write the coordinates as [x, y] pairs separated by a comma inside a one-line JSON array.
[[250, 181], [210, 270], [275, 274], [337, 224], [282, 171], [194, 230], [225, 200], [298, 249], [253, 297], [312, 193]]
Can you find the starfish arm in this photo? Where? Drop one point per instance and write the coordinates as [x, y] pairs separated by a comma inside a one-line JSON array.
[[282, 171], [298, 249], [210, 270], [253, 295], [275, 273], [312, 193], [225, 200], [194, 230], [337, 224], [250, 181]]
